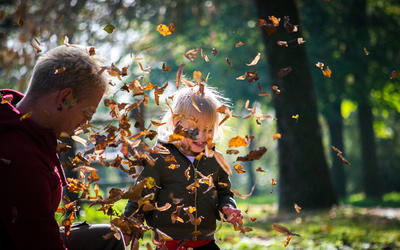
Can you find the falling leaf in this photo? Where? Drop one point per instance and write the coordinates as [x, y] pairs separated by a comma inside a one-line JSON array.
[[259, 169], [166, 68], [239, 44], [197, 76], [192, 54], [283, 230], [109, 28], [25, 116], [282, 43], [36, 47], [277, 136], [239, 169], [80, 140], [204, 55], [287, 241], [290, 28], [394, 75], [232, 151], [284, 72], [253, 155], [320, 65], [340, 156], [237, 142], [228, 61], [60, 70], [327, 72], [179, 75], [255, 60], [275, 21], [253, 219], [166, 30], [243, 196], [297, 208], [273, 182], [300, 40], [214, 51], [269, 28], [157, 124], [296, 117], [92, 51], [175, 137], [366, 52]]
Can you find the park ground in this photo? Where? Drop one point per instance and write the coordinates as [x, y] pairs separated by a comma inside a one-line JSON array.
[[358, 223]]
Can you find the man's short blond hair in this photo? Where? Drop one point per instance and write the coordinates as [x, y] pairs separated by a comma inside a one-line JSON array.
[[67, 67]]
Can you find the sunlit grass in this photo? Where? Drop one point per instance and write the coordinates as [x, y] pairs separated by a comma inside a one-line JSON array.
[[344, 227]]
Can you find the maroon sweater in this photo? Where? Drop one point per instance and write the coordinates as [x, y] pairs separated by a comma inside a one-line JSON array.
[[31, 180]]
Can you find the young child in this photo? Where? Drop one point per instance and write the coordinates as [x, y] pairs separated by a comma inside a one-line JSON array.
[[189, 176]]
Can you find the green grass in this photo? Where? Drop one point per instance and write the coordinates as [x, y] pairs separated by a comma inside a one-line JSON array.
[[348, 226], [388, 200]]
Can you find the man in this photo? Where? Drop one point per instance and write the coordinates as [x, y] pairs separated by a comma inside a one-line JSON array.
[[64, 91]]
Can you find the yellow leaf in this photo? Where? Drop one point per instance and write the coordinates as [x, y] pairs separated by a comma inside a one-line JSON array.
[[164, 30]]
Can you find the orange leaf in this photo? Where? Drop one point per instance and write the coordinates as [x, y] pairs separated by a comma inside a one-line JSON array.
[[60, 70], [327, 72], [175, 137], [239, 169], [273, 182], [238, 44], [237, 142], [157, 124], [197, 76], [164, 29], [275, 21], [277, 136]]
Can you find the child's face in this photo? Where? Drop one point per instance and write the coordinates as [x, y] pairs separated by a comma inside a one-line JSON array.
[[197, 144]]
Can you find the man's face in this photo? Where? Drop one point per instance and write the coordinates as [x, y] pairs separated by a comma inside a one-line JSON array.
[[78, 113], [197, 143]]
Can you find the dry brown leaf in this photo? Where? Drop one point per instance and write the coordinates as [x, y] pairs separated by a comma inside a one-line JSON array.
[[297, 208], [255, 60], [243, 196]]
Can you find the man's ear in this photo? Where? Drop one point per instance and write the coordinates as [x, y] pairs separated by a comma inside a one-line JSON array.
[[65, 99]]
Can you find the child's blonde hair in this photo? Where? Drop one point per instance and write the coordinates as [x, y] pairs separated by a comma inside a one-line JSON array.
[[184, 106]]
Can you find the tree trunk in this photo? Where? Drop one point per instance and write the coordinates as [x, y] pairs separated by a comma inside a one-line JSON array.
[[358, 35], [335, 124], [304, 177], [371, 175]]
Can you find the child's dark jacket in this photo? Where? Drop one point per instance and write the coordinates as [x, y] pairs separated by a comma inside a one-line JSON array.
[[173, 183]]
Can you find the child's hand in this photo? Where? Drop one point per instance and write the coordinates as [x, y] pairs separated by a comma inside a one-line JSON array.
[[233, 215]]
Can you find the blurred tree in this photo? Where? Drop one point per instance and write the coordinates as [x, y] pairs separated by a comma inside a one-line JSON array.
[[325, 40], [357, 34], [303, 172]]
